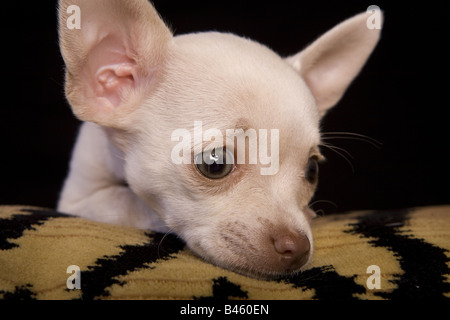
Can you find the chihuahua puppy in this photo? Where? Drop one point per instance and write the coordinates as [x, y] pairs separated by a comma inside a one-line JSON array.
[[135, 84]]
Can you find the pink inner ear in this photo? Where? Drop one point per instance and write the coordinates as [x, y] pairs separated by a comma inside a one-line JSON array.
[[113, 82], [111, 71]]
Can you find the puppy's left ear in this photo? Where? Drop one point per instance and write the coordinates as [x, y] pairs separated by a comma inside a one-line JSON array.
[[330, 63]]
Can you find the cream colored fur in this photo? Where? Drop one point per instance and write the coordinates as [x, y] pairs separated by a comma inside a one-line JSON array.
[[134, 83]]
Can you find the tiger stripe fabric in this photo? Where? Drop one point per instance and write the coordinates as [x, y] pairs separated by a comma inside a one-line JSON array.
[[366, 255]]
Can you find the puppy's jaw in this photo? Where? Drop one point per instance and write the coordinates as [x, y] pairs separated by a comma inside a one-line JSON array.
[[249, 246]]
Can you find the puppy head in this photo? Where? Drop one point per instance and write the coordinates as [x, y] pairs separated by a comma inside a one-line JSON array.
[[172, 103]]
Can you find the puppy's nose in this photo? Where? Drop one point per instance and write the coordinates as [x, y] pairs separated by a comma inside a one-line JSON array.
[[292, 249]]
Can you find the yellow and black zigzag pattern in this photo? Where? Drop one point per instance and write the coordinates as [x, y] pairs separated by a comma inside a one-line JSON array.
[[410, 247]]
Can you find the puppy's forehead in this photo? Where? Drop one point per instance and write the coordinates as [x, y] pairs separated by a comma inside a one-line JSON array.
[[239, 83]]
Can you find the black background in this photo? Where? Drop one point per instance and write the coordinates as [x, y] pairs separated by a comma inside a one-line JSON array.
[[399, 99]]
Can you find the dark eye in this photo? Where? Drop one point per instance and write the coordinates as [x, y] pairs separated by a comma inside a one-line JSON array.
[[216, 163], [312, 170]]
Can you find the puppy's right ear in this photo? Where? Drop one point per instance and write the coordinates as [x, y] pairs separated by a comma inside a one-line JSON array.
[[113, 58]]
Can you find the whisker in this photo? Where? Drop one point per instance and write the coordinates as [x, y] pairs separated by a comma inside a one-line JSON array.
[[373, 144], [351, 136], [162, 239], [326, 201], [333, 148], [320, 212], [338, 148]]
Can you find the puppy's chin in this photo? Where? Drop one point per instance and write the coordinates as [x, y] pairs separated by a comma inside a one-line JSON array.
[[266, 274], [259, 272]]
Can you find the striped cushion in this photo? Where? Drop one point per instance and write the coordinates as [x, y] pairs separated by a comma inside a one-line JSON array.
[[398, 254]]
